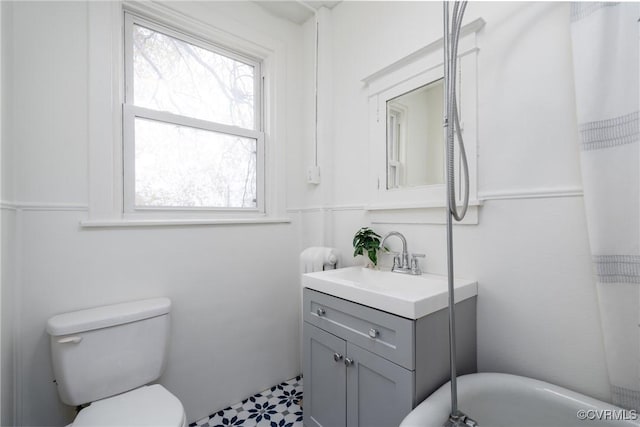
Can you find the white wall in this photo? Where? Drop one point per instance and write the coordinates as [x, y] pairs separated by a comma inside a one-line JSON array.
[[234, 288], [7, 234], [435, 152], [537, 310], [7, 332], [415, 148]]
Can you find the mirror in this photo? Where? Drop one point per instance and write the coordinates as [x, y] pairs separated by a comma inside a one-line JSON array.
[[415, 140]]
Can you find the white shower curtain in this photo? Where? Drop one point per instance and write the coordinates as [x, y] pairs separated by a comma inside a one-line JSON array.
[[606, 68]]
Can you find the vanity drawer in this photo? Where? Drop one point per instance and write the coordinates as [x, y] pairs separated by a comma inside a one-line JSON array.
[[379, 332]]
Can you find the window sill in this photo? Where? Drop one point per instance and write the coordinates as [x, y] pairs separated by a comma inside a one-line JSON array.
[[118, 223]]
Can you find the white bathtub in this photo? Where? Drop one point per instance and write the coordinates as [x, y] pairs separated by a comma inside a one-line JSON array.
[[502, 400]]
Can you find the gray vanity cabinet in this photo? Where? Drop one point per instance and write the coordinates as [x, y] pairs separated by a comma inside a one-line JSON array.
[[379, 392], [325, 391], [369, 392], [367, 368]]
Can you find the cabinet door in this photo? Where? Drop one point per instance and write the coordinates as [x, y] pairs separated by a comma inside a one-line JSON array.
[[379, 392], [324, 379]]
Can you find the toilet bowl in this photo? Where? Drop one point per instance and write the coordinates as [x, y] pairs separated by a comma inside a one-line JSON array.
[[106, 357], [152, 406]]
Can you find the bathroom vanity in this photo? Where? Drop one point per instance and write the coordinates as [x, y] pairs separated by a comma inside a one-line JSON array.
[[376, 343]]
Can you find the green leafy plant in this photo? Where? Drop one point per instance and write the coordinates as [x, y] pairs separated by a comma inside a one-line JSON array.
[[367, 240]]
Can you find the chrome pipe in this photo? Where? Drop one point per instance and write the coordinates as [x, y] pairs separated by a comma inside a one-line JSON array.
[[448, 135], [451, 125]]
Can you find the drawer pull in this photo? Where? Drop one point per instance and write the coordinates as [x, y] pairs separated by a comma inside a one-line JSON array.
[[337, 357], [321, 312], [348, 361], [373, 333]]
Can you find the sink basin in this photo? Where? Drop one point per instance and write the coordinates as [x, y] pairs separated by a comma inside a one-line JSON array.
[[405, 295]]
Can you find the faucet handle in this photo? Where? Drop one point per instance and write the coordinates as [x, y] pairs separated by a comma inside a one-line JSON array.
[[396, 258], [415, 264]]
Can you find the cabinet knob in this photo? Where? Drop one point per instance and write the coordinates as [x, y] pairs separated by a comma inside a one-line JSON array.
[[348, 361], [337, 357], [373, 333], [321, 312]]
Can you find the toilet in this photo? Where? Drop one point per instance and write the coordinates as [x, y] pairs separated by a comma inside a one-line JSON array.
[[106, 356]]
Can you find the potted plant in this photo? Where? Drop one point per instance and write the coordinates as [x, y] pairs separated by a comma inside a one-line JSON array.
[[367, 240]]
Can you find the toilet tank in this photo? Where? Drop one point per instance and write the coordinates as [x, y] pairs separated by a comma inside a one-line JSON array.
[[104, 351]]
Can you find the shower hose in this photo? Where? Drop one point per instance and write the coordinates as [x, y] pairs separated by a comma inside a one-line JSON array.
[[452, 111]]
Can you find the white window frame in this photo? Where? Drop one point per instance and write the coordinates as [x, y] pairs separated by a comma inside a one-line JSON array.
[[396, 140], [106, 105], [130, 112]]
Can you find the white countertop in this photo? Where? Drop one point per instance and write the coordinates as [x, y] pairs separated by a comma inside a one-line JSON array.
[[405, 295]]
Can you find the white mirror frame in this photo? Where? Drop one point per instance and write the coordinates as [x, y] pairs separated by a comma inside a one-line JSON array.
[[417, 69]]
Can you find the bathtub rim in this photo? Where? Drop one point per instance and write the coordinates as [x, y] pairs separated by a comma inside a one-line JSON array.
[[438, 404]]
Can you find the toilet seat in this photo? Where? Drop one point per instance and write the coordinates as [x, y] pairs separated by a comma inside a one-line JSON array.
[[152, 406]]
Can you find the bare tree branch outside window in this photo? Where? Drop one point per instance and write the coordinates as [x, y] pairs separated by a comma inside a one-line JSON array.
[[179, 166]]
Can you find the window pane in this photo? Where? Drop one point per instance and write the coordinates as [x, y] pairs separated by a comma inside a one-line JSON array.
[[178, 166], [181, 78]]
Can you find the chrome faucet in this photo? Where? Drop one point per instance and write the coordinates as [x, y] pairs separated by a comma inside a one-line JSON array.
[[401, 261]]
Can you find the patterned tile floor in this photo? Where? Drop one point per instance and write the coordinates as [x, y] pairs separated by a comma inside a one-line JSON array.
[[279, 406]]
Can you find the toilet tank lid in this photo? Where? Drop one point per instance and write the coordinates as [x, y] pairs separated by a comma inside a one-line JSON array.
[[106, 316]]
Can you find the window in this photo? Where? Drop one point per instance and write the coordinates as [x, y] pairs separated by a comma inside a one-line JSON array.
[[192, 123], [395, 133]]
